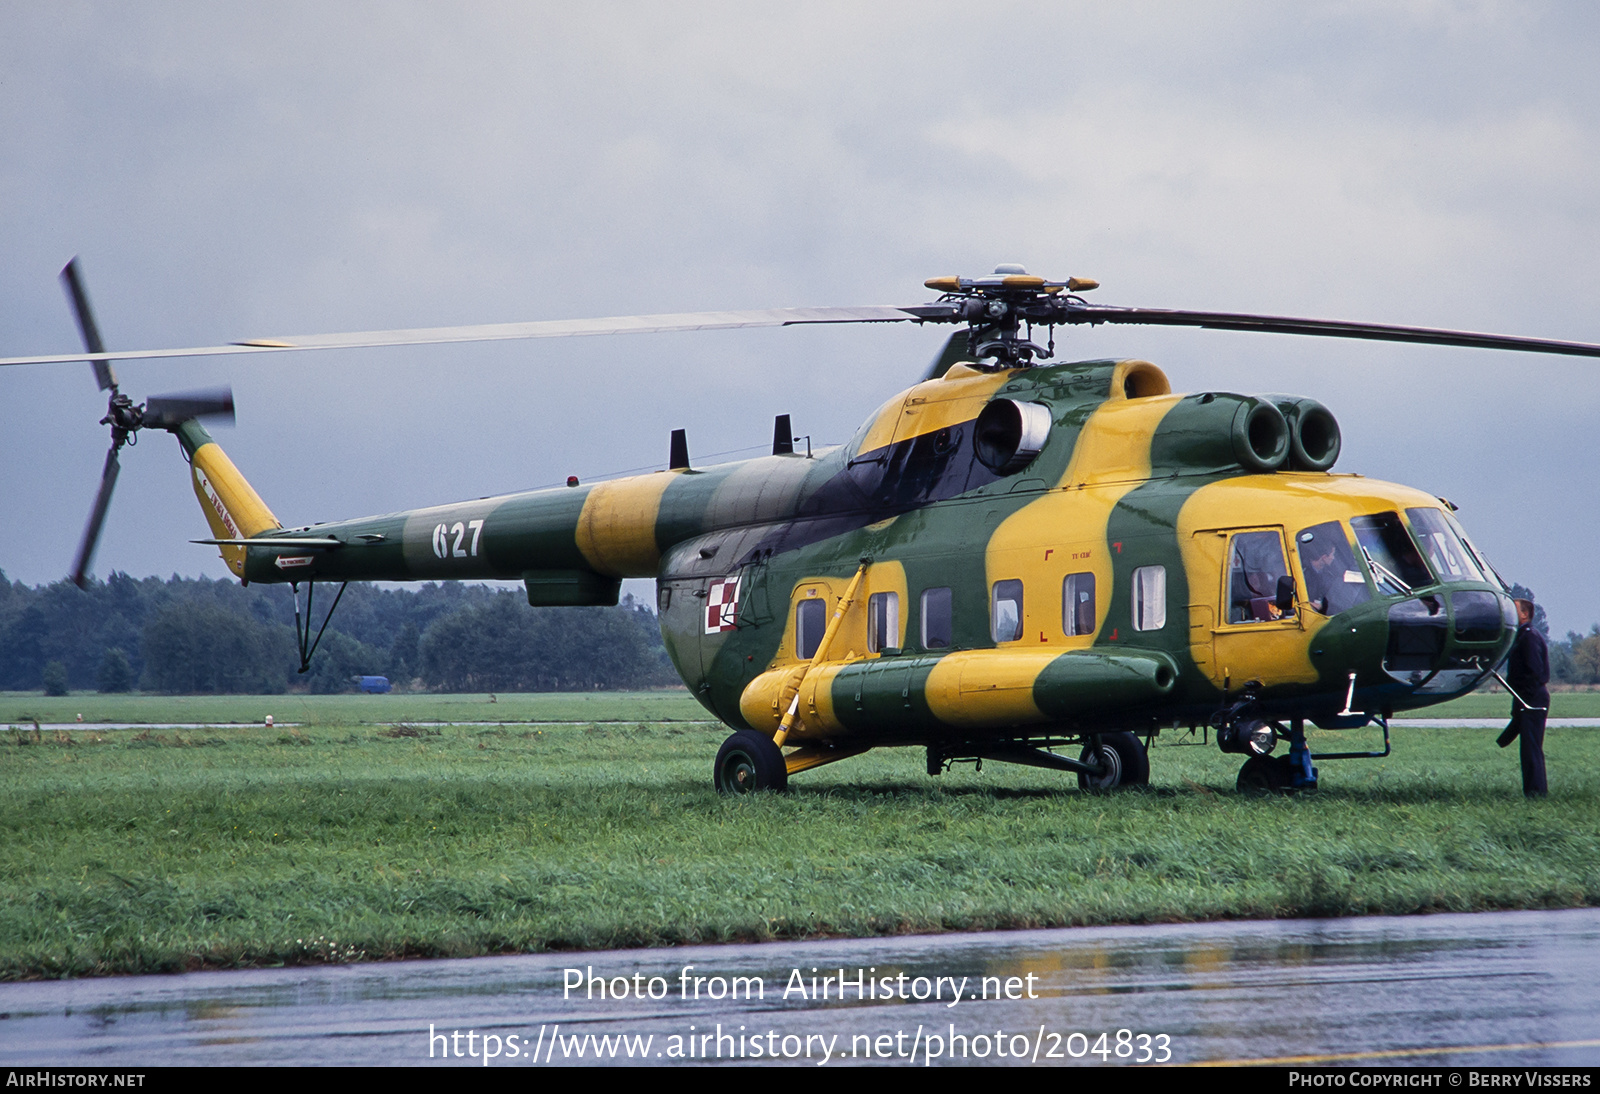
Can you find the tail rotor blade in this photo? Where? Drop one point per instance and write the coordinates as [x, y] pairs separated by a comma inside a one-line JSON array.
[[104, 374], [97, 518], [170, 411]]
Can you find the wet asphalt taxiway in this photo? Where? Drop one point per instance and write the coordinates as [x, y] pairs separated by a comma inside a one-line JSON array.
[[1493, 989]]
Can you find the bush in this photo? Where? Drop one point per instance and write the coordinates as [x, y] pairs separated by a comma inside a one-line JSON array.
[[55, 678]]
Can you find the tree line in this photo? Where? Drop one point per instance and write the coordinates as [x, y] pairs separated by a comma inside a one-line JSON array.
[[195, 635]]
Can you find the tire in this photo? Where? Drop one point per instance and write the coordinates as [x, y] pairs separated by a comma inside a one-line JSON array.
[[1129, 764], [747, 762], [1262, 775]]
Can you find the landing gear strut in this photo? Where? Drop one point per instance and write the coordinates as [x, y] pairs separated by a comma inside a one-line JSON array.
[[1108, 760]]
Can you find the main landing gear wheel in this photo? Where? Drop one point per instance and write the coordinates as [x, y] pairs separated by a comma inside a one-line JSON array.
[[1126, 763], [1266, 775], [749, 761]]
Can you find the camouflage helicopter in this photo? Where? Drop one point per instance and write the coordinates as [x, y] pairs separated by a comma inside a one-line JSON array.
[[1011, 561]]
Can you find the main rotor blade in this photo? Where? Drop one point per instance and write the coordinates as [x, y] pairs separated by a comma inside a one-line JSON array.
[[496, 332], [104, 374], [1327, 328], [97, 518], [170, 411], [784, 317]]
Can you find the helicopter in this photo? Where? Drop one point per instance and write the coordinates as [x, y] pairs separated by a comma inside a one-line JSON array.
[[1013, 560]]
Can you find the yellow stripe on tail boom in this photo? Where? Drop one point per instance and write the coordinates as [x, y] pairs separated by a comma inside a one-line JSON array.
[[232, 507]]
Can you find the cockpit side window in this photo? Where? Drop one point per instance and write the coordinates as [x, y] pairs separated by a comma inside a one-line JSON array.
[[1333, 577], [1446, 553], [1489, 572], [1396, 565], [1254, 567]]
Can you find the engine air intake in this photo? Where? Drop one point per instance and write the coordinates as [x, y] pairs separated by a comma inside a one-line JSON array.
[[1261, 439], [1314, 438], [1010, 434]]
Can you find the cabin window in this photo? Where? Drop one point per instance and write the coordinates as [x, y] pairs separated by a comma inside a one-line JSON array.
[[883, 621], [1149, 598], [1077, 604], [936, 629], [1005, 616], [810, 621], [1333, 578], [1255, 570]]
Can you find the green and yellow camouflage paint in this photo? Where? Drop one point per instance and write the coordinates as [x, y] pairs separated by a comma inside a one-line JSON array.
[[1144, 491]]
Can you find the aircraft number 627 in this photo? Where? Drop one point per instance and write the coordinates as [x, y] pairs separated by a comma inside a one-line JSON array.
[[448, 539]]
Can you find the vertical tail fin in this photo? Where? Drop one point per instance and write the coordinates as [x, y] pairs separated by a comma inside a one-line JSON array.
[[232, 507]]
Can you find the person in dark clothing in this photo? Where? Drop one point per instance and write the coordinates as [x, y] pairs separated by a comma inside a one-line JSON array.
[[1528, 673]]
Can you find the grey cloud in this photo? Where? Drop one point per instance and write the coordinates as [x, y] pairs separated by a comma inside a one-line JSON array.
[[230, 172]]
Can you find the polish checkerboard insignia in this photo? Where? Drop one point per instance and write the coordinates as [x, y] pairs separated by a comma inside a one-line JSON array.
[[722, 605]]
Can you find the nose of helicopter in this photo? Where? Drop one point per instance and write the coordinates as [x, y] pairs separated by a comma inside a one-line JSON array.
[[1444, 643], [1417, 650]]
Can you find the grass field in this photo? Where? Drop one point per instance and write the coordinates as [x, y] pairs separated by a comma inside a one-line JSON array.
[[675, 705], [1563, 704], [138, 851]]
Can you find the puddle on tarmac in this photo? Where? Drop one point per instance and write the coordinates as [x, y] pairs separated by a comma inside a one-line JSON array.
[[1489, 989]]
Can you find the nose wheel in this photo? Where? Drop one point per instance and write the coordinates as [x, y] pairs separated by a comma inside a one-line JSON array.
[[1286, 774], [749, 761], [1265, 775]]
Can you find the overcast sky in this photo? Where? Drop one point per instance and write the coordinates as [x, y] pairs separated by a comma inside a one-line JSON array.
[[232, 171]]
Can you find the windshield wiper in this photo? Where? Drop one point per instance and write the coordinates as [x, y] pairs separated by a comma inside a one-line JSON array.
[[1383, 571]]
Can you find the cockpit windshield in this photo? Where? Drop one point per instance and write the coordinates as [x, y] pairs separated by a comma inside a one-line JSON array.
[[1396, 565], [1446, 553]]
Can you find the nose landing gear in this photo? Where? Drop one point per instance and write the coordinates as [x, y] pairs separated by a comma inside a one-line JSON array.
[[1280, 774], [1265, 775]]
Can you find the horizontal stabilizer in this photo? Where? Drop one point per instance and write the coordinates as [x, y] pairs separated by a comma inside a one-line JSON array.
[[325, 542]]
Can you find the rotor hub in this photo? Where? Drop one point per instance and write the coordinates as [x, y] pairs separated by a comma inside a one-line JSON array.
[[1001, 310], [124, 417]]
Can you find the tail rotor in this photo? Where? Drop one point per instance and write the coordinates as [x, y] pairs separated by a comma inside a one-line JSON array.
[[126, 418]]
